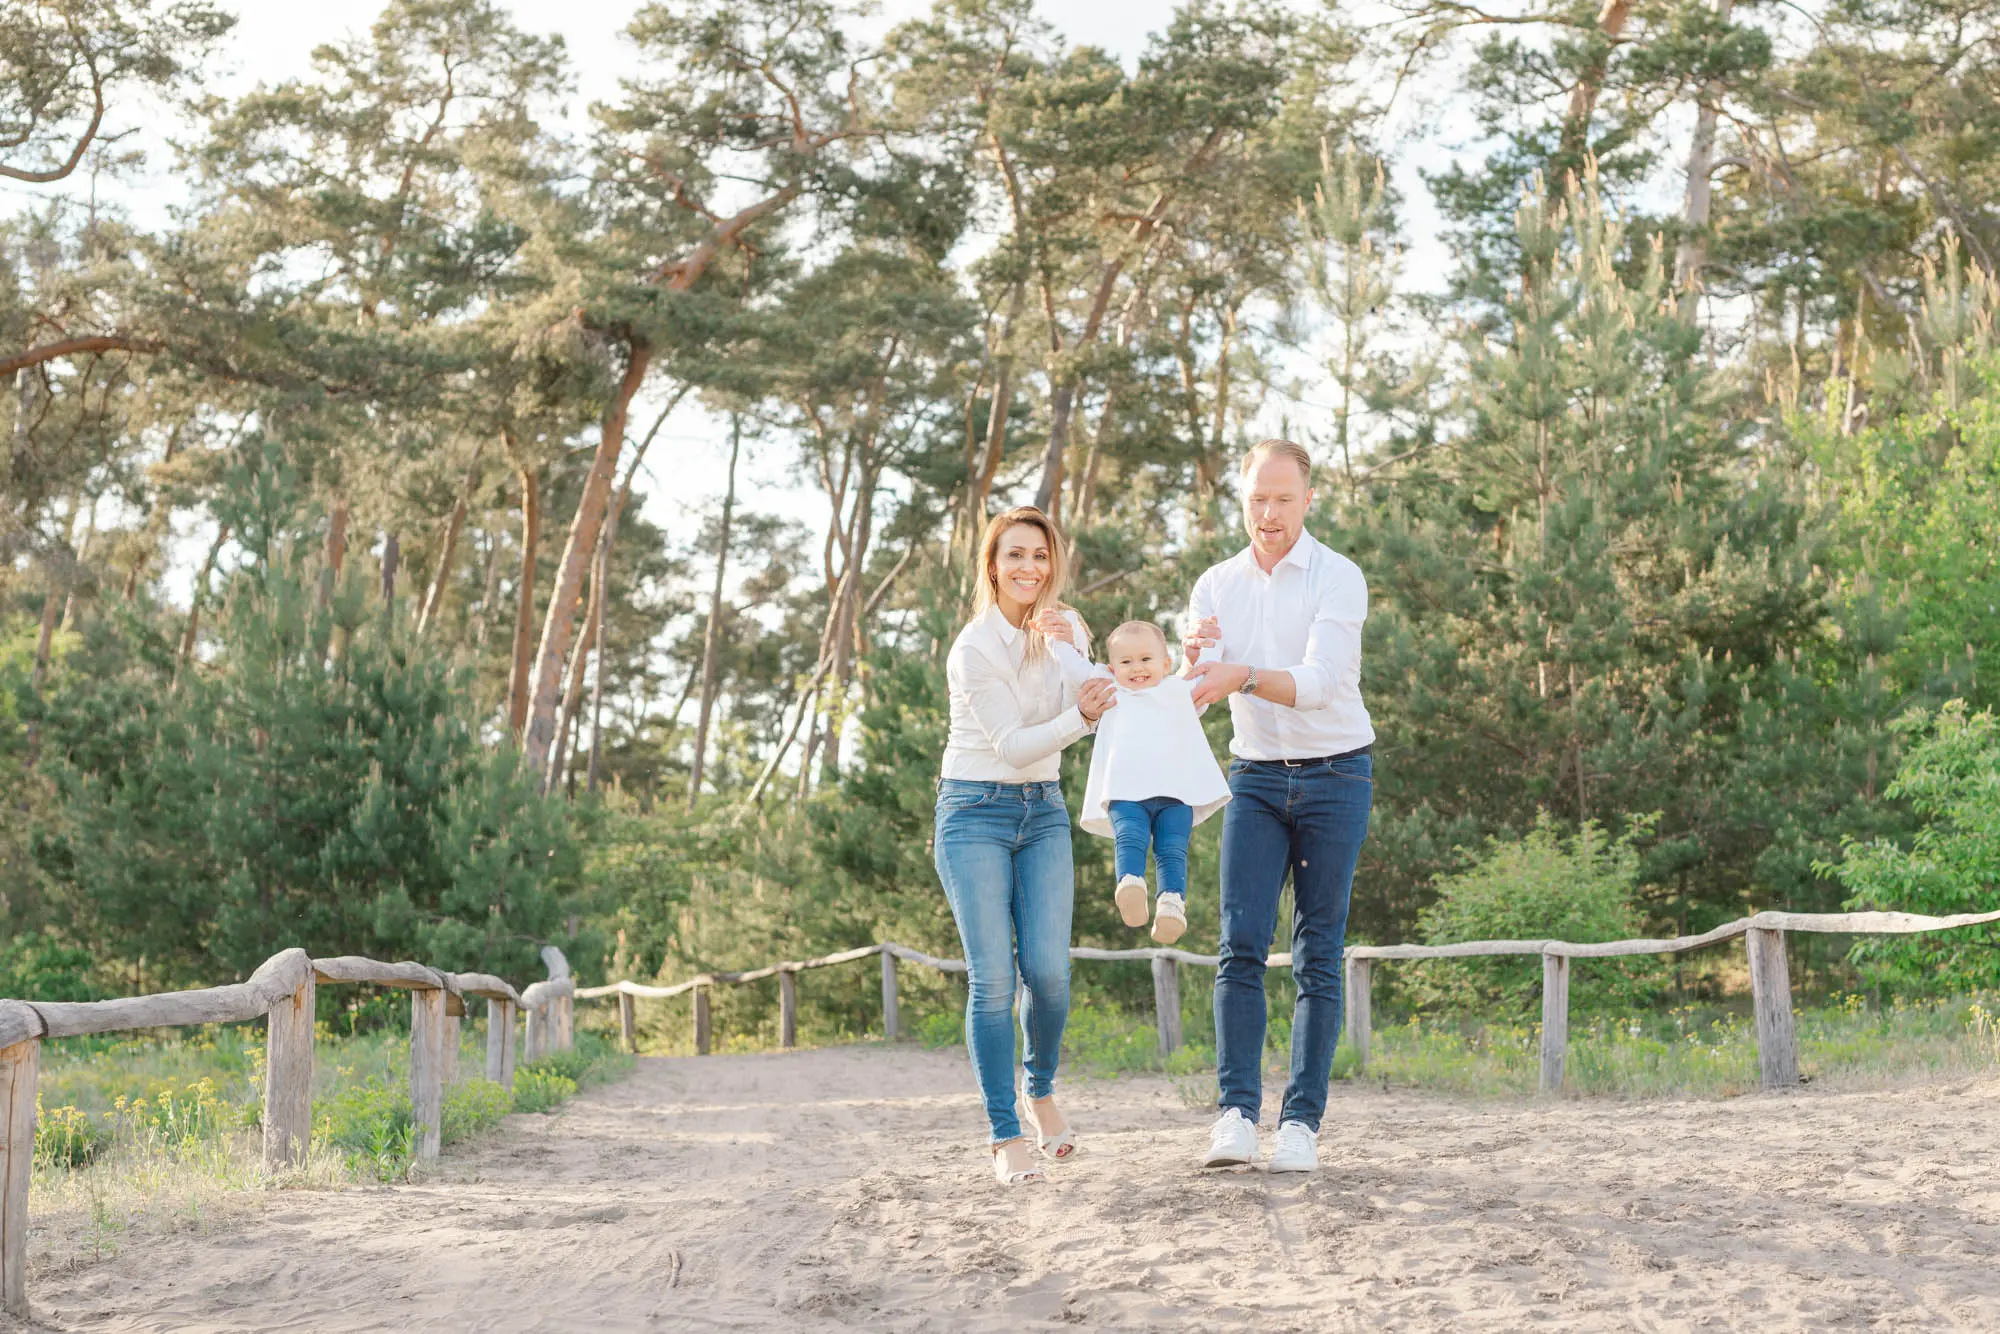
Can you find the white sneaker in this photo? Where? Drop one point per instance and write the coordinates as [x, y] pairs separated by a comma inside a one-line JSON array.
[[1131, 897], [1296, 1149], [1170, 918], [1232, 1141]]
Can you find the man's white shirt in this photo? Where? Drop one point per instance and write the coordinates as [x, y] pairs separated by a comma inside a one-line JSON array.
[[1305, 618]]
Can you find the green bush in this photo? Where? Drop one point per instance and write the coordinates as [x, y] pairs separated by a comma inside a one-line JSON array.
[[1951, 776], [537, 1089], [1542, 886], [45, 968], [473, 1105]]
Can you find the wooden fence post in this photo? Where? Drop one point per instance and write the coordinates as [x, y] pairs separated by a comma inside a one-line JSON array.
[[788, 1009], [427, 1070], [1771, 998], [700, 1020], [1360, 1008], [892, 1021], [1167, 1003], [565, 1012], [20, 1065], [628, 1022], [1555, 1020], [535, 1037], [288, 1078], [500, 1042], [448, 1047]]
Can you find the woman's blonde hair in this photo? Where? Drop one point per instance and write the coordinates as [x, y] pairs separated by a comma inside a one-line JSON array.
[[987, 592]]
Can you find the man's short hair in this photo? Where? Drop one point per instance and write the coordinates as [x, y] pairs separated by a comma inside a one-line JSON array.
[[1135, 628], [1288, 449]]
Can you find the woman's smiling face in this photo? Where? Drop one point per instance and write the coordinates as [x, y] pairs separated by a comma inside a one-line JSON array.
[[1022, 566]]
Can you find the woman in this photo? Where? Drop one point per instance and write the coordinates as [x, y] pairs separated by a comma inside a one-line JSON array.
[[1003, 832]]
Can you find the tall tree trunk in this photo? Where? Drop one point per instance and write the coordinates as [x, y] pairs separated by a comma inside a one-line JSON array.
[[1086, 478], [489, 590], [597, 672], [329, 576], [981, 489], [711, 640], [392, 563], [1692, 251], [549, 659], [448, 549], [156, 522], [566, 726], [524, 601], [1575, 141], [195, 598]]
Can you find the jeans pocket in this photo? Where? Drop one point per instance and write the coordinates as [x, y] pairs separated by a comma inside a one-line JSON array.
[[1355, 769], [951, 803]]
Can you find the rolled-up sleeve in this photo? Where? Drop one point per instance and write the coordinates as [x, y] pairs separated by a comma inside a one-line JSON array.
[[992, 705], [1332, 663]]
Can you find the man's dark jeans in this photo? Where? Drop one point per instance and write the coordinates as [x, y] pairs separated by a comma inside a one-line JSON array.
[[1309, 819]]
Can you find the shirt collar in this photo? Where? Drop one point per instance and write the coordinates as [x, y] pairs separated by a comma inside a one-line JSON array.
[[1006, 629], [1299, 556]]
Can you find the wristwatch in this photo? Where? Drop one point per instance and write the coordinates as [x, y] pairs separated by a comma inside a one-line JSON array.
[[1249, 686]]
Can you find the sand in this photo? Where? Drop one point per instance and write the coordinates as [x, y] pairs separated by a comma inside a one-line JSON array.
[[844, 1189]]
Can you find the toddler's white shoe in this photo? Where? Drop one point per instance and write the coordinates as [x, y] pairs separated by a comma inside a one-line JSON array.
[[1170, 918], [1296, 1148], [1232, 1141], [1131, 896]]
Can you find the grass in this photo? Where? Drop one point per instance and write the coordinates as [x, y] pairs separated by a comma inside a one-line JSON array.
[[1690, 1052], [156, 1135]]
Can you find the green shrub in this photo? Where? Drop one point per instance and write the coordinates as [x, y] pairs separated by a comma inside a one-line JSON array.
[[941, 1028], [1952, 777], [375, 1122], [1541, 886], [537, 1089], [44, 968], [473, 1105]]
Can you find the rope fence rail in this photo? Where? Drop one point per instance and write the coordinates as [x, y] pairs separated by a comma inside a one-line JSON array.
[[1764, 941], [282, 991]]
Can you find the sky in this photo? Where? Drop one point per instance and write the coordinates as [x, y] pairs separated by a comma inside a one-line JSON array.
[[274, 40]]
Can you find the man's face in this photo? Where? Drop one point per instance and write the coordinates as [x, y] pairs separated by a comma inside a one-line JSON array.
[[1275, 501], [1138, 661]]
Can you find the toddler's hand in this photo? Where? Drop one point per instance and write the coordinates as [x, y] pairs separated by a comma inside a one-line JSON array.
[[1206, 634], [1055, 627]]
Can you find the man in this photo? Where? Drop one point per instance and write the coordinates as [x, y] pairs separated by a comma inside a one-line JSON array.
[[1287, 613]]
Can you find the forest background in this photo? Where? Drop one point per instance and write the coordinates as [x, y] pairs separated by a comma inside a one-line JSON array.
[[1675, 475]]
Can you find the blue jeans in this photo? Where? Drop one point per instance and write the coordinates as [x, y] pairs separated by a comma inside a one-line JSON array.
[[1161, 823], [1310, 820], [1003, 854]]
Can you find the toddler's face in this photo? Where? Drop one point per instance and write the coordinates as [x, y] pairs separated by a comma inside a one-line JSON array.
[[1138, 662]]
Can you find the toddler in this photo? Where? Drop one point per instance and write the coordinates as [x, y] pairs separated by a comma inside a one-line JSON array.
[[1153, 777]]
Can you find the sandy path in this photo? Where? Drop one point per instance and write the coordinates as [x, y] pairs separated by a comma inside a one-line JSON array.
[[838, 1189]]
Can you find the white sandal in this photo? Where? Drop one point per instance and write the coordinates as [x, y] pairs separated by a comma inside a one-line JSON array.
[[1007, 1177], [1058, 1146], [1130, 896]]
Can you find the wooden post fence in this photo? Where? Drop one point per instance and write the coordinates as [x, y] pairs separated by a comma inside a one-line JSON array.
[[500, 1041], [1777, 1044], [1167, 1003], [628, 1022], [427, 1070], [1360, 996], [288, 1077], [1555, 1020], [788, 1009], [892, 1021], [20, 1066], [282, 992], [1771, 1000]]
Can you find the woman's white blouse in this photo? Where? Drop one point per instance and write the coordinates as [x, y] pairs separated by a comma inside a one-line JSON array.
[[1010, 718]]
